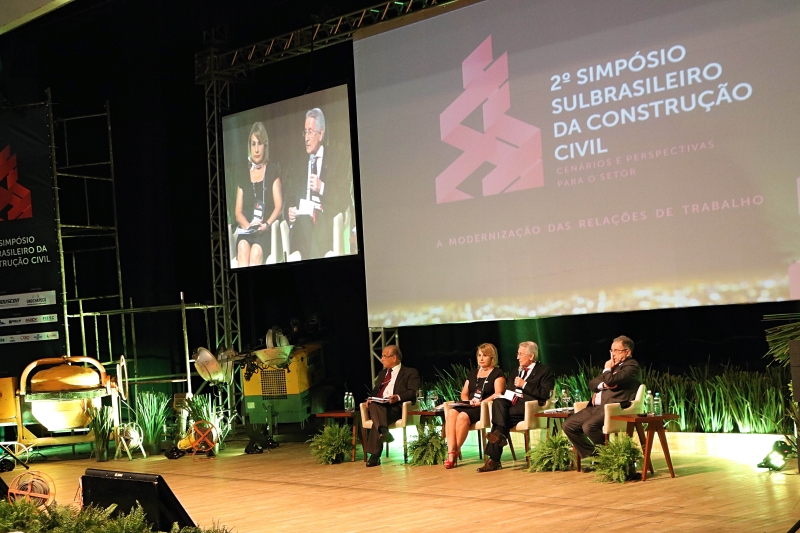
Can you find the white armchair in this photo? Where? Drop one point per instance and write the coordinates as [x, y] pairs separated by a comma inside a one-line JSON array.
[[287, 249], [613, 409], [530, 422], [338, 238], [403, 422], [483, 423], [274, 255]]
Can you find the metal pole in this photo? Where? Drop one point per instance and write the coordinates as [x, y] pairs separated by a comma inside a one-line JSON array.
[[116, 231], [135, 352], [186, 349], [83, 326], [58, 218]]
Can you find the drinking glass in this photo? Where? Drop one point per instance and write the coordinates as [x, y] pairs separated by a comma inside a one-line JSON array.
[[433, 400], [565, 398]]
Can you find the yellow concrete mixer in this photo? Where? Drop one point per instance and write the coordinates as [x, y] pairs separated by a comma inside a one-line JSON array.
[[59, 395]]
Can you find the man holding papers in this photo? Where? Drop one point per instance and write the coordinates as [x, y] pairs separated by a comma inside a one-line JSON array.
[[534, 381], [394, 385]]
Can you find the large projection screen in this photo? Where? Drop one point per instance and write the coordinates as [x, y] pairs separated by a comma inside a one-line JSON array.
[[289, 180], [525, 158]]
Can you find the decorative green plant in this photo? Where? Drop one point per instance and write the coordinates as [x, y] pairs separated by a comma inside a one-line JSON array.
[[203, 407], [332, 444], [101, 422], [576, 382], [551, 455], [779, 337], [675, 398], [428, 447], [718, 399], [615, 462], [449, 384], [152, 410], [24, 516]]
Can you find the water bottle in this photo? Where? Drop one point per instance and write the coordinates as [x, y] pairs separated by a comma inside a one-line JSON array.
[[348, 401], [648, 403], [421, 401], [658, 410]]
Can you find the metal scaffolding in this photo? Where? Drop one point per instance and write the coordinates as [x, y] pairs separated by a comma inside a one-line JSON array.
[[88, 242]]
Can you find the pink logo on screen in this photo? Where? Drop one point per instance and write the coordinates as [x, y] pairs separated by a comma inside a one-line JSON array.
[[15, 200], [512, 146]]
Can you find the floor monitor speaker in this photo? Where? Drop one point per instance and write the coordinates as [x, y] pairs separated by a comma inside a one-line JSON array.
[[106, 487]]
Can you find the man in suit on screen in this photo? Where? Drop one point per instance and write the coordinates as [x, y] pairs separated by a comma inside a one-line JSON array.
[[534, 382], [321, 190], [398, 384], [617, 383]]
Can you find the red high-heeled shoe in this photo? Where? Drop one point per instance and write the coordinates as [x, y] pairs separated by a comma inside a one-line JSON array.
[[451, 464]]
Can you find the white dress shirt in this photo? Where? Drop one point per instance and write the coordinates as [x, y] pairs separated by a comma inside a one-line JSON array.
[[389, 390]]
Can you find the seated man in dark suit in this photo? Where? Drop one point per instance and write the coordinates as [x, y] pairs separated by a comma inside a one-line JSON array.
[[397, 383], [534, 381], [617, 383]]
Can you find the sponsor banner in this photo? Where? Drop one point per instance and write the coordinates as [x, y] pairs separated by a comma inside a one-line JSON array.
[[28, 299], [24, 320], [29, 260], [29, 337]]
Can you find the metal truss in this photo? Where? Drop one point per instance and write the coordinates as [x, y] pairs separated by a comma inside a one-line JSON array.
[[305, 40], [226, 290], [216, 71], [380, 338]]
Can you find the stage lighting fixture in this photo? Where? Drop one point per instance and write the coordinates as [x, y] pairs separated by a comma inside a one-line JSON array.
[[776, 459]]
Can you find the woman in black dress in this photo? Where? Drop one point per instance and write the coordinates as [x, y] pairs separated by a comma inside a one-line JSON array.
[[483, 384], [258, 201]]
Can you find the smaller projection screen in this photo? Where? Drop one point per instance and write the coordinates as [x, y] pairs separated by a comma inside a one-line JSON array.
[[289, 180]]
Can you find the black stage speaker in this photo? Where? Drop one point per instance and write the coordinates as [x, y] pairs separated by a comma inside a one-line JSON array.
[[3, 490], [794, 359], [104, 487]]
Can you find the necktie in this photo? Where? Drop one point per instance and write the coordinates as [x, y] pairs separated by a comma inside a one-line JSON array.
[[314, 172], [522, 373], [386, 381]]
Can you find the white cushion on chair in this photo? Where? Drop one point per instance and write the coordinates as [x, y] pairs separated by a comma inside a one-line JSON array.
[[286, 242], [273, 256], [531, 421], [613, 409], [338, 239], [366, 421]]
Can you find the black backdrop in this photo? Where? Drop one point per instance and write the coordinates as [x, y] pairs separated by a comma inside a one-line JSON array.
[[139, 56]]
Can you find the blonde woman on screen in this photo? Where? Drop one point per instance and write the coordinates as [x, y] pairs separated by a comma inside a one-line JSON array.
[[258, 200]]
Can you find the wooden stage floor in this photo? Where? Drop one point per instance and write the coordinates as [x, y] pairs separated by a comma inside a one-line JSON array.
[[284, 490]]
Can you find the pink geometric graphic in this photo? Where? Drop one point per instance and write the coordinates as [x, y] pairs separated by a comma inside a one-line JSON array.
[[512, 146], [15, 200]]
